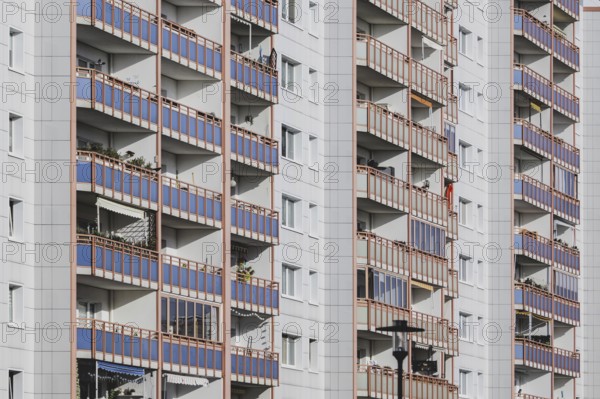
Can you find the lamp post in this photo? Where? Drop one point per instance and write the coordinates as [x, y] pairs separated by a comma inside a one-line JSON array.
[[400, 328]]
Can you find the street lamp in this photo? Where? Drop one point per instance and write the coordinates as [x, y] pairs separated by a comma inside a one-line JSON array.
[[400, 345]]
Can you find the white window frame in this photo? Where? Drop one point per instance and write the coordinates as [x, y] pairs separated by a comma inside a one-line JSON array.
[[313, 18], [15, 384], [480, 216], [15, 304], [290, 358], [313, 220], [464, 154], [464, 327], [290, 281], [289, 11], [464, 212], [291, 76], [290, 206], [464, 272], [464, 388], [313, 152], [465, 102], [313, 291], [465, 42], [16, 50], [16, 223], [313, 354], [313, 88], [480, 50], [15, 135], [291, 143]]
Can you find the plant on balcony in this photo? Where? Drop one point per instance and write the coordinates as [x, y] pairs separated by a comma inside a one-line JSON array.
[[114, 393], [244, 271], [140, 162], [531, 282], [99, 148]]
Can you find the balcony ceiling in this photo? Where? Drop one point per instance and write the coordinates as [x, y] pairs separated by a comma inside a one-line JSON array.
[[374, 143], [106, 122], [372, 78], [367, 205], [524, 46], [375, 15], [105, 284], [106, 42], [177, 147], [175, 70]]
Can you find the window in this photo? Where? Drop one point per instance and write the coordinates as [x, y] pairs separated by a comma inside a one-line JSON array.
[[465, 102], [480, 161], [312, 354], [15, 135], [313, 221], [313, 152], [290, 143], [189, 318], [290, 79], [15, 384], [313, 280], [464, 272], [479, 217], [15, 219], [464, 326], [290, 213], [15, 50], [480, 384], [480, 107], [464, 210], [313, 90], [289, 346], [477, 330], [480, 274], [480, 53], [288, 280], [464, 378], [464, 42], [313, 20], [15, 303], [464, 155], [290, 10]]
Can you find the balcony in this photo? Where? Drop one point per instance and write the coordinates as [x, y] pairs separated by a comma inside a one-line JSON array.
[[118, 99], [429, 21], [538, 33], [187, 48], [451, 51], [191, 279], [540, 356], [378, 121], [566, 103], [194, 356], [254, 150], [569, 7], [263, 13], [383, 189], [567, 311], [117, 343], [117, 261], [191, 126], [452, 290], [451, 109], [429, 268], [255, 294], [254, 366], [254, 222], [429, 144], [382, 383], [382, 59], [382, 253], [451, 170], [121, 19], [453, 225], [254, 78], [565, 51], [117, 179], [533, 299], [545, 144], [566, 207], [429, 83], [189, 202], [540, 249], [532, 194]]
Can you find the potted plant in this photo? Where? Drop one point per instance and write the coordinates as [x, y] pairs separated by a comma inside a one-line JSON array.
[[244, 271]]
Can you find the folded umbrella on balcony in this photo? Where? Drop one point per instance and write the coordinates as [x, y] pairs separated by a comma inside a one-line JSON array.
[[185, 380]]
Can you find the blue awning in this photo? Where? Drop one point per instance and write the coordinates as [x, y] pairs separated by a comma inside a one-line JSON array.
[[119, 368]]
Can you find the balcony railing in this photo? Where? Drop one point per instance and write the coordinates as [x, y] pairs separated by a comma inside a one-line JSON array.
[[540, 248], [451, 51], [429, 206], [429, 21], [532, 29], [533, 192], [264, 13], [255, 222], [527, 396], [382, 383], [541, 356], [566, 103], [121, 19], [194, 356], [254, 77], [567, 311], [452, 289], [382, 188], [453, 225], [382, 58], [382, 253], [114, 97], [371, 314], [382, 123], [116, 179], [451, 170], [429, 144], [533, 299], [118, 261], [571, 7], [428, 267], [545, 144], [186, 47], [117, 343], [254, 150], [255, 294], [451, 109], [191, 126], [254, 366], [429, 83], [190, 202], [191, 279], [566, 51], [566, 206]]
